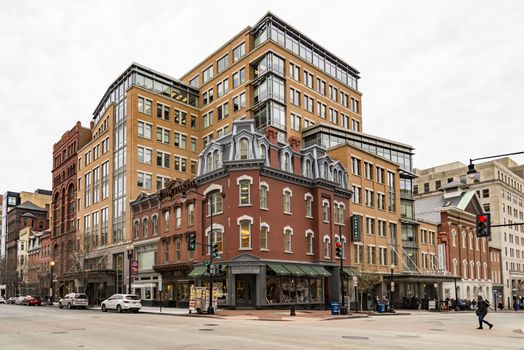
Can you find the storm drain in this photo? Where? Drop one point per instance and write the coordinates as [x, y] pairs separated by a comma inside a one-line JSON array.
[[354, 337], [206, 329], [438, 330], [211, 324]]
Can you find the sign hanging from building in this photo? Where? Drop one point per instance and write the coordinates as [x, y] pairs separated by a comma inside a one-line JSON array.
[[356, 227], [134, 267]]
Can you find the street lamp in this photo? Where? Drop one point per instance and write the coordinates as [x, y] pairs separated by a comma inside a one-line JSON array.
[[472, 173], [183, 199], [391, 288], [52, 265], [129, 257]]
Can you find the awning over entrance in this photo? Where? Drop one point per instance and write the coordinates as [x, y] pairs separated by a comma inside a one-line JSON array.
[[279, 269], [299, 270], [351, 271], [198, 271]]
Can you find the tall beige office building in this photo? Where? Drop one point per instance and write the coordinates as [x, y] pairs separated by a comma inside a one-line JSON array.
[[499, 186], [149, 128]]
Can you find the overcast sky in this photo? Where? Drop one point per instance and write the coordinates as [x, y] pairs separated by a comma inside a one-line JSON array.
[[443, 76]]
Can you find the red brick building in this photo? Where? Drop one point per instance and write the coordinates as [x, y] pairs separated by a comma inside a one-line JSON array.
[[39, 257], [277, 212], [63, 215], [465, 255]]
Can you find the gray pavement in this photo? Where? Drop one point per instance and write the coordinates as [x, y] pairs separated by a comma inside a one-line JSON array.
[[24, 327]]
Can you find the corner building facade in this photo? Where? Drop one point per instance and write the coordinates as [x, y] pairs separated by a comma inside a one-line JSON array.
[[274, 211]]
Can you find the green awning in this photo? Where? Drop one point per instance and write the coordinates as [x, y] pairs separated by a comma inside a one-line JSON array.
[[350, 271], [279, 269], [198, 271], [321, 271], [309, 271], [294, 269]]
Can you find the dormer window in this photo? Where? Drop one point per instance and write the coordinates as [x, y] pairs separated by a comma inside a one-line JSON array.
[[209, 161], [244, 149], [308, 169], [216, 160], [262, 151], [326, 171]]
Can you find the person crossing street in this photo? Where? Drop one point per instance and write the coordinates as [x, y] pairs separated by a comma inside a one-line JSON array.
[[482, 311]]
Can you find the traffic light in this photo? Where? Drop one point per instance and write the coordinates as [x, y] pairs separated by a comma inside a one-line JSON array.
[[484, 225], [338, 249], [215, 251], [191, 243], [208, 268]]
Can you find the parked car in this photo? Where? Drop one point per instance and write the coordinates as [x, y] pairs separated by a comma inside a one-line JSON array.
[[19, 300], [33, 300], [25, 300], [2, 300], [11, 300], [122, 302], [74, 301]]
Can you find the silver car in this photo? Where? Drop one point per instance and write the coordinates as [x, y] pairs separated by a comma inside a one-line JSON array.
[[74, 301], [122, 302]]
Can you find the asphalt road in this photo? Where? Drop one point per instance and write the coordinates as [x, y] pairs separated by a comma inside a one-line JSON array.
[[23, 327]]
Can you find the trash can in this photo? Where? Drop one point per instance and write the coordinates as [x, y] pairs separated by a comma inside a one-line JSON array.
[[335, 308], [381, 308]]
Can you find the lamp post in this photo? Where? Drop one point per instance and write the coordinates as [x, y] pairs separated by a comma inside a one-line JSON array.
[[129, 258], [52, 265], [471, 167], [391, 288], [183, 199]]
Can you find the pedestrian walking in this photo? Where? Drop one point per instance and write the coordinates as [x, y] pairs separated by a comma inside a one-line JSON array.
[[482, 311]]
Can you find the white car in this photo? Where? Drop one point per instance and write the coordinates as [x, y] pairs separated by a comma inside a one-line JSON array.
[[2, 300], [122, 302]]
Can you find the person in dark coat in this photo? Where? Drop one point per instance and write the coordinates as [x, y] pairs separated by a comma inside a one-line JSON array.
[[482, 311]]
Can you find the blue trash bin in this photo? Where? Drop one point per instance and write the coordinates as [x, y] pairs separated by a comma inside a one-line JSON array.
[[381, 308], [335, 308]]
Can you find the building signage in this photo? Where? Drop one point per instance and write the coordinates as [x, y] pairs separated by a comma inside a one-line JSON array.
[[441, 256], [356, 227], [134, 267]]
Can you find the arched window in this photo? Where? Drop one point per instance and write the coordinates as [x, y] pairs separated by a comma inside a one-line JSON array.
[[465, 268], [308, 169], [263, 196], [287, 162], [264, 233], [209, 161], [216, 160], [178, 217], [309, 242], [263, 151], [471, 270], [455, 266], [166, 220], [470, 239], [244, 148], [326, 246], [216, 238], [245, 192], [214, 203], [478, 270], [145, 228], [136, 228], [191, 214], [309, 205], [177, 249], [287, 201], [245, 234], [325, 211], [154, 221], [288, 232], [463, 240]]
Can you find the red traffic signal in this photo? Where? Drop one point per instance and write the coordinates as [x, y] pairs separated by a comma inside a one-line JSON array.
[[338, 249], [483, 225], [338, 245]]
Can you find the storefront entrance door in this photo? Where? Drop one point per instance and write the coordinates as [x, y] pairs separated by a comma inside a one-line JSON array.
[[245, 290]]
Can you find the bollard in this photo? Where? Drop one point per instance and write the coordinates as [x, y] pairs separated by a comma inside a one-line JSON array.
[[292, 311]]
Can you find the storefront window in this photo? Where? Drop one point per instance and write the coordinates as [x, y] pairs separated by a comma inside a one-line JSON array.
[[315, 287], [273, 290]]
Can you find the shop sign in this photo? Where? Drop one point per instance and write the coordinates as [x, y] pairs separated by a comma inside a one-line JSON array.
[[356, 226], [134, 267]]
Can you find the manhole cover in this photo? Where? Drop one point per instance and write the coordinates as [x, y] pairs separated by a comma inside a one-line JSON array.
[[58, 332], [354, 337], [211, 324], [408, 336], [436, 329], [206, 329]]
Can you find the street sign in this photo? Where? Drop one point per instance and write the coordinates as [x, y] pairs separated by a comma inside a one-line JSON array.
[[392, 286], [160, 285], [134, 267], [355, 281]]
